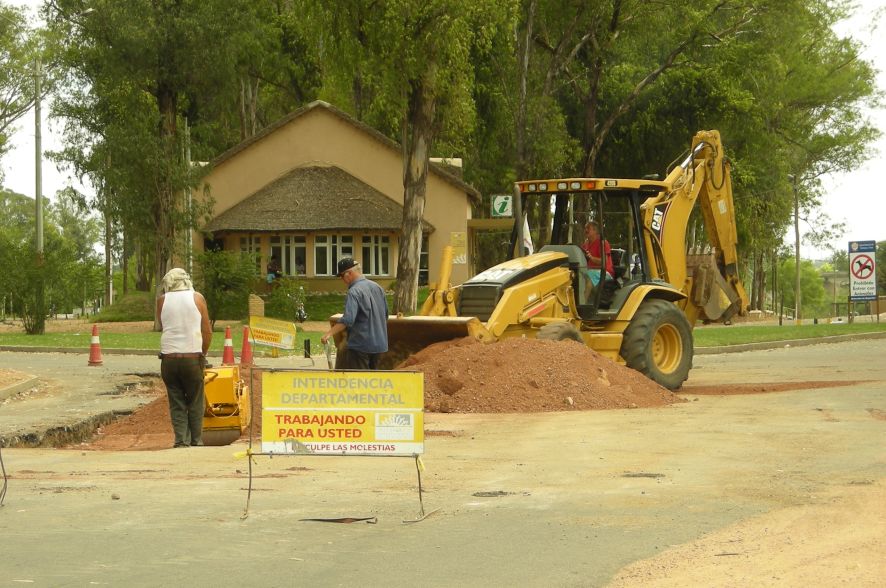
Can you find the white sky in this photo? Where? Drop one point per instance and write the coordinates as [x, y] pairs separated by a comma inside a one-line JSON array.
[[855, 198]]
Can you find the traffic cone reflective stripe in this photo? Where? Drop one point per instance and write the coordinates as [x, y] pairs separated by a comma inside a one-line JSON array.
[[95, 348], [246, 352], [228, 355]]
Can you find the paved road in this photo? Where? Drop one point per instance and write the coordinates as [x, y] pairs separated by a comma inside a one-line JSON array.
[[577, 495], [72, 394]]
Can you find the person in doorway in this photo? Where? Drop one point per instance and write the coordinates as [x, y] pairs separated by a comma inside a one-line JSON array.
[[365, 319], [596, 249], [184, 342], [273, 269]]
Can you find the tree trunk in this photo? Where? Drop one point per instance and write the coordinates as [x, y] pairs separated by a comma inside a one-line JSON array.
[[125, 264], [164, 205], [419, 135], [109, 266]]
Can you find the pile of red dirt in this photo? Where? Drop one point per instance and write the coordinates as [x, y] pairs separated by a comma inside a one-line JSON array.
[[464, 375], [528, 375]]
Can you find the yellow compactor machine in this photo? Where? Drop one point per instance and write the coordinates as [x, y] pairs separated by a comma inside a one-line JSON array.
[[228, 410], [641, 316]]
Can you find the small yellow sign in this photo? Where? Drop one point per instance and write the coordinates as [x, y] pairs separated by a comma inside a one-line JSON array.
[[459, 242], [343, 413], [272, 332]]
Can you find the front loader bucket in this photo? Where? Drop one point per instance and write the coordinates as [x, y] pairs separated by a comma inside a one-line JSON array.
[[409, 335]]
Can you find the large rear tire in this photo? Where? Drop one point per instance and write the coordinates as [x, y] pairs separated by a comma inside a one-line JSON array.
[[559, 332], [658, 343]]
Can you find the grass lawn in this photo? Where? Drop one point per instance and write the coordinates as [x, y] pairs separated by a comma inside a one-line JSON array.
[[710, 336], [149, 340], [716, 336]]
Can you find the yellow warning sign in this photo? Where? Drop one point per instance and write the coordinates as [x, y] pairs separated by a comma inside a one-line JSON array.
[[272, 332], [343, 413]]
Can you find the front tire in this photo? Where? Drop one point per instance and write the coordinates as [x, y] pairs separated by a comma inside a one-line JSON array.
[[658, 343]]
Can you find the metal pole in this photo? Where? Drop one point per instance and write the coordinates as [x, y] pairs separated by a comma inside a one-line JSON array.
[[40, 316], [797, 314], [518, 218]]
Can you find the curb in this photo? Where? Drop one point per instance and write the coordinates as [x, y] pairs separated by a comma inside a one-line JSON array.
[[18, 387], [787, 343]]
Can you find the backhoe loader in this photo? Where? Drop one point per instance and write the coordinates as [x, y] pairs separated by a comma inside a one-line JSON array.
[[643, 313]]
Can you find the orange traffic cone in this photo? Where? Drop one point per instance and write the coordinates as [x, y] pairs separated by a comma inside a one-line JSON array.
[[228, 354], [95, 348], [246, 352]]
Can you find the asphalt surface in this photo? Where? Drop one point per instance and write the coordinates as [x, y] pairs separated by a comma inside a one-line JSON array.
[[552, 499]]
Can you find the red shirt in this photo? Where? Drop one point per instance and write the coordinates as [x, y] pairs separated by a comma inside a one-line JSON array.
[[593, 249]]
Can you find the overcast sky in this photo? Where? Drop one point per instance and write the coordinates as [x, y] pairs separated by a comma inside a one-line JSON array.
[[857, 198]]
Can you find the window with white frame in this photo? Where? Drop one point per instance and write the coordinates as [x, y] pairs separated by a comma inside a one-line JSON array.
[[328, 249], [377, 255], [252, 245], [291, 252], [423, 262]]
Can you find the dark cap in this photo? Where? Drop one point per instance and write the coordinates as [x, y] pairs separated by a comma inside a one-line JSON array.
[[345, 264]]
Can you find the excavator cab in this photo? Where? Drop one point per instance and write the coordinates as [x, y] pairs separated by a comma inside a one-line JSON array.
[[599, 294]]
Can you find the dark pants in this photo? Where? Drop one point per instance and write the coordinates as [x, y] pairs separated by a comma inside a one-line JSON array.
[[184, 388], [348, 359]]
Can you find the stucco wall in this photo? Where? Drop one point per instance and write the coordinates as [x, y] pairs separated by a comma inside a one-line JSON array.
[[321, 137]]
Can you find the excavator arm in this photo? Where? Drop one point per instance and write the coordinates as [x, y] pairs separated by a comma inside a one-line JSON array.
[[710, 278]]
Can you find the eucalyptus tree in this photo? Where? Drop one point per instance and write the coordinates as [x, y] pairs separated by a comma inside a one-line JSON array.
[[406, 65], [18, 52], [137, 69]]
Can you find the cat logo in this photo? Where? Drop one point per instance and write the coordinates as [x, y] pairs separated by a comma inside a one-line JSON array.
[[658, 217]]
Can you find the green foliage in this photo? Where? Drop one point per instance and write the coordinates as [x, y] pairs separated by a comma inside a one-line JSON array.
[[70, 271], [286, 298], [881, 268], [813, 300], [18, 50], [134, 306], [225, 279]]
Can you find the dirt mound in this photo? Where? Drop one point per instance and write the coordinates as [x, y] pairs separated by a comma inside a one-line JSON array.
[[464, 375], [528, 375]]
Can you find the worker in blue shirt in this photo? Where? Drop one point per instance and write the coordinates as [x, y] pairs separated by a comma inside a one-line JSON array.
[[365, 319]]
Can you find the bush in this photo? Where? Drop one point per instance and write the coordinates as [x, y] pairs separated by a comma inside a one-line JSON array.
[[134, 306], [225, 279], [286, 300]]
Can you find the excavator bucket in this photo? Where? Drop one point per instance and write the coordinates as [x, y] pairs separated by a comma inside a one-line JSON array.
[[409, 335], [717, 299], [227, 405]]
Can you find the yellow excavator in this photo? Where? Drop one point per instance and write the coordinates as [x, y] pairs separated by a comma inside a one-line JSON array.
[[643, 312]]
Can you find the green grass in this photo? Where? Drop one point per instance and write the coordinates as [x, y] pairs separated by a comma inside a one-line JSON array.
[[716, 336], [711, 336], [148, 340], [321, 306]]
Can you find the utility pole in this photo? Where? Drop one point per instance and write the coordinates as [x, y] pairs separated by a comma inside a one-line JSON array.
[[39, 307], [797, 315]]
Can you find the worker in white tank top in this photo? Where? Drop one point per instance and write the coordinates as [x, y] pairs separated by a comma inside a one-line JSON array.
[[187, 333]]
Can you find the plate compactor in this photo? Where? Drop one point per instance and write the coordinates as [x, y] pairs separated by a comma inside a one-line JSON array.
[[228, 406]]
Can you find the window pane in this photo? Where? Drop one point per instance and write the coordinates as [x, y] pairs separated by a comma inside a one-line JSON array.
[[321, 261], [366, 253]]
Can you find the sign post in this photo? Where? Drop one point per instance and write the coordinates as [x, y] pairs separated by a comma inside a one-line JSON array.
[[862, 272]]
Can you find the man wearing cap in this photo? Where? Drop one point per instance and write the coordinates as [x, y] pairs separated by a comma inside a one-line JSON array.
[[365, 319]]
